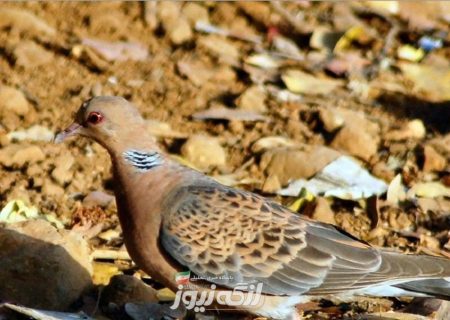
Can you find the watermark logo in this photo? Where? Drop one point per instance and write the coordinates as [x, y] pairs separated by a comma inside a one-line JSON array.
[[182, 278], [200, 298]]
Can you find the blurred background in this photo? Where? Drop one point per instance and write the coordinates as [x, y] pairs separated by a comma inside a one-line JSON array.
[[339, 110]]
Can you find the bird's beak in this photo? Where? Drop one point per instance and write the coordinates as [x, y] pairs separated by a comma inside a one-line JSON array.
[[72, 130]]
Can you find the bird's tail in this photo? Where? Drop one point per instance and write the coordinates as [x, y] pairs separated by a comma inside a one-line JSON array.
[[419, 275], [439, 288]]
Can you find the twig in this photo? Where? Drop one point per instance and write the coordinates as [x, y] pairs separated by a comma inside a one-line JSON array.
[[109, 254], [209, 28]]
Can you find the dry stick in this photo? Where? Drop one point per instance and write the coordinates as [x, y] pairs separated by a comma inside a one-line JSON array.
[[296, 23], [108, 254], [390, 38], [209, 28]]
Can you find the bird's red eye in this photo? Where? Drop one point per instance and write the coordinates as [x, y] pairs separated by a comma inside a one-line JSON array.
[[94, 117]]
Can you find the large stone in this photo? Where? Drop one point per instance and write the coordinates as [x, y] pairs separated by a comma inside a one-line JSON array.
[[28, 54], [17, 156], [42, 267], [358, 137], [254, 99], [204, 152], [195, 12], [285, 164], [63, 171], [13, 100], [25, 22], [433, 161], [176, 25]]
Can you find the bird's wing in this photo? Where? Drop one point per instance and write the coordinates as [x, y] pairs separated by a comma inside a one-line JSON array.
[[228, 237]]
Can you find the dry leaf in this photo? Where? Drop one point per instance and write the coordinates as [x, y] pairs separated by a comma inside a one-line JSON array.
[[222, 113], [409, 53], [430, 190], [396, 191], [117, 51], [300, 82], [343, 178]]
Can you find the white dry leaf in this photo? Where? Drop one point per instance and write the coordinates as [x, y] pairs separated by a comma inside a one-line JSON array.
[[223, 113], [396, 191], [33, 133], [163, 130], [410, 53], [16, 211], [343, 178], [429, 190], [117, 51], [392, 7], [301, 82], [263, 61], [271, 142], [287, 47]]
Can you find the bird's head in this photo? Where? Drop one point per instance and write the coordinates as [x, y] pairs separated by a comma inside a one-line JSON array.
[[105, 119]]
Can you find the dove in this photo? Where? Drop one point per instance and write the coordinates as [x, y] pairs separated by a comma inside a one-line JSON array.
[[176, 219]]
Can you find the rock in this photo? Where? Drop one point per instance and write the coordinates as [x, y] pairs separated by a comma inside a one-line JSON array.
[[222, 49], [433, 161], [25, 22], [43, 267], [17, 156], [123, 289], [180, 32], [97, 198], [399, 220], [13, 100], [444, 311], [253, 99], [430, 242], [331, 119], [194, 12], [200, 73], [282, 165], [356, 142], [259, 11], [175, 25], [62, 172], [414, 129], [322, 211], [381, 170], [358, 137], [196, 71], [204, 152], [28, 54], [51, 189]]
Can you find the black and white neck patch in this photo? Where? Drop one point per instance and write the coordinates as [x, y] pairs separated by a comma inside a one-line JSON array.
[[143, 161]]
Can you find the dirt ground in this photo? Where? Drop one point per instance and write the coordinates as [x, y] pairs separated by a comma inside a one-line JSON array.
[[380, 96]]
